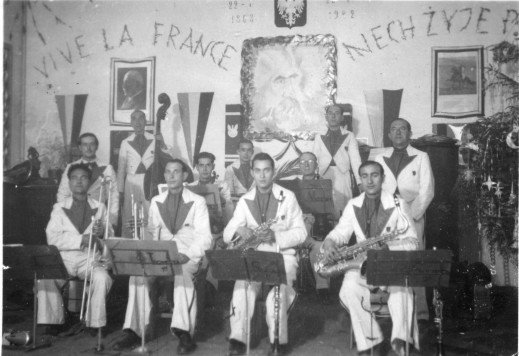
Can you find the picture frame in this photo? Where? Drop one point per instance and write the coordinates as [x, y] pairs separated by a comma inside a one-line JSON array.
[[457, 82], [287, 81], [132, 86]]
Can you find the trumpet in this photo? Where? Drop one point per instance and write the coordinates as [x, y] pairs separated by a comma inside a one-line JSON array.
[[138, 220], [353, 257], [242, 244]]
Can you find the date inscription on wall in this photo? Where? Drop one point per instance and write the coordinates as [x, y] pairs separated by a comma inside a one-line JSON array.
[[241, 11]]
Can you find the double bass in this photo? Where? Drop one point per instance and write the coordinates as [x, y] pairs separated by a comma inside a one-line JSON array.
[[155, 173]]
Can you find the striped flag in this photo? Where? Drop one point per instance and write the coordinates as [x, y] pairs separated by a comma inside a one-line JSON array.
[[383, 107], [194, 114], [71, 109]]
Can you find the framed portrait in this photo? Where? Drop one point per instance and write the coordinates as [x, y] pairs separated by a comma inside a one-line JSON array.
[[287, 81], [457, 82], [132, 84]]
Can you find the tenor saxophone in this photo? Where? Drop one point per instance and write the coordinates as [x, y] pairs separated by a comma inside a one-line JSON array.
[[353, 257], [241, 244]]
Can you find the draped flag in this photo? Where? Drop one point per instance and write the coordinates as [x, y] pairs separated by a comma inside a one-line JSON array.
[[383, 107], [194, 114], [71, 109], [233, 132]]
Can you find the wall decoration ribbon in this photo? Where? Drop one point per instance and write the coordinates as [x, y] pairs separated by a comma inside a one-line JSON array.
[[71, 109], [383, 107]]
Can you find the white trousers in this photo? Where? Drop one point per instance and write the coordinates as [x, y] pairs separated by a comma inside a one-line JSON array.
[[134, 184], [355, 294], [50, 299], [320, 282], [422, 310], [341, 183], [240, 300], [184, 298]]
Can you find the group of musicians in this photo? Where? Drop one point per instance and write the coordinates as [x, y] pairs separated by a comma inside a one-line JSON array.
[[397, 185]]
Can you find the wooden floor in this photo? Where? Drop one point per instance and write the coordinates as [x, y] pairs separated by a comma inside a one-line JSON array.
[[315, 329]]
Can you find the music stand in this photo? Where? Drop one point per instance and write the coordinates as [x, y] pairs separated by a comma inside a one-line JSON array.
[[409, 269], [249, 266], [144, 258], [33, 262]]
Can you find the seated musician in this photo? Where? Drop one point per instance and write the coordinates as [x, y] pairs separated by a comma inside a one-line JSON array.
[[69, 229], [309, 169], [238, 175], [181, 216], [373, 213], [266, 203]]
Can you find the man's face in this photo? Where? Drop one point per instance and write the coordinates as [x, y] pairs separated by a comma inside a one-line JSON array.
[[263, 174], [174, 175], [245, 151], [307, 164], [334, 117], [88, 147], [205, 168], [371, 179], [138, 123], [399, 134], [79, 181]]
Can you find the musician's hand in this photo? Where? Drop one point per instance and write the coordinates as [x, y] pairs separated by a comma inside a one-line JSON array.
[[86, 238], [309, 219], [182, 259], [245, 232], [330, 250], [267, 236], [98, 228]]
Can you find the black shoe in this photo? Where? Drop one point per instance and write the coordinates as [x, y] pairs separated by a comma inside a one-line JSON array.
[[76, 329], [236, 348], [324, 296], [185, 343], [376, 351], [128, 341], [93, 332], [398, 349], [50, 329], [282, 350]]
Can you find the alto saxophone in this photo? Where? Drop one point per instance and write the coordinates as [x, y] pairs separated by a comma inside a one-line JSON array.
[[241, 244], [353, 257]]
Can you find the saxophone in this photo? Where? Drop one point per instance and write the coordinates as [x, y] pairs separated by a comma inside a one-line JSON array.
[[241, 244], [353, 257]]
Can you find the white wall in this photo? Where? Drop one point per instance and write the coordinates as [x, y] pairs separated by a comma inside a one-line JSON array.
[[76, 59]]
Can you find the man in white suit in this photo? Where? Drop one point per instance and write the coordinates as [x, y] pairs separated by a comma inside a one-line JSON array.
[[373, 213], [409, 174], [338, 155], [238, 175], [264, 203], [69, 230], [135, 157], [181, 216], [88, 145]]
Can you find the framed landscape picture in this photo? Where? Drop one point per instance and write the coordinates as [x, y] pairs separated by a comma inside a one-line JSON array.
[[131, 88], [457, 81]]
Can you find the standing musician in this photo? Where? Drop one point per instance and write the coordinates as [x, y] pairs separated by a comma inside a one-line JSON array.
[[266, 203], [409, 175], [338, 155], [88, 145], [309, 171], [238, 175], [69, 230], [375, 212], [181, 216], [135, 157]]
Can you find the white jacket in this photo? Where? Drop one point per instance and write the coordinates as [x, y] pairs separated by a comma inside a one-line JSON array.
[[289, 229], [62, 233], [390, 218], [94, 189], [415, 182], [236, 187], [129, 158], [347, 157], [194, 237]]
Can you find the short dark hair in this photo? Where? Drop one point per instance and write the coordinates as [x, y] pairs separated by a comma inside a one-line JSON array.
[[244, 140], [372, 163], [327, 108], [262, 156], [205, 155], [76, 166], [400, 119], [309, 153], [185, 169], [135, 112], [87, 134]]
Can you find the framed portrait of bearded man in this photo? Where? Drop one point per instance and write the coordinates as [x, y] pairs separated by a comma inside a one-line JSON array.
[[287, 81]]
